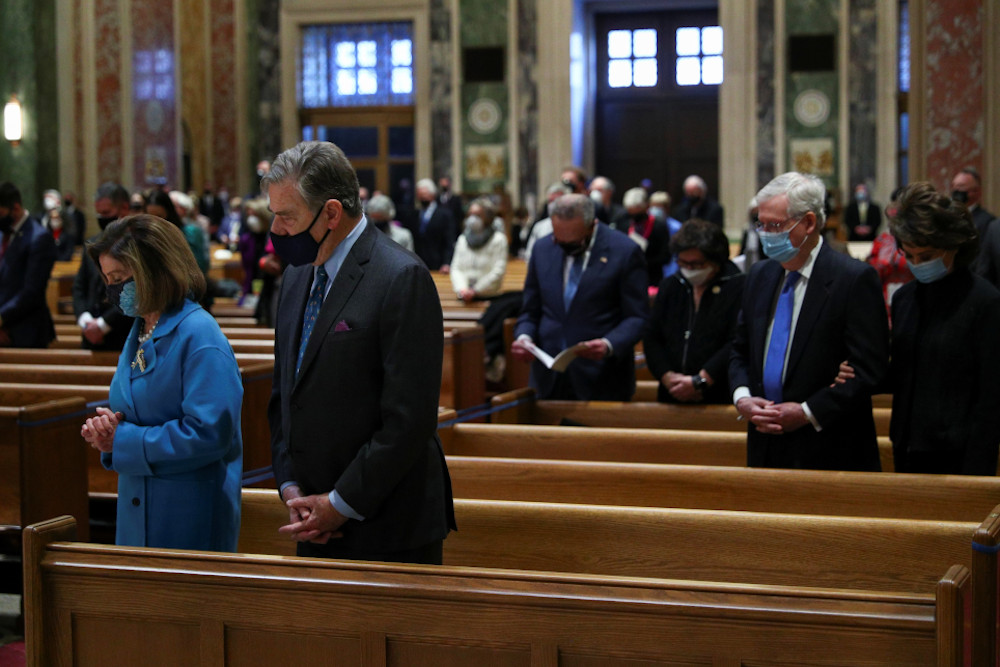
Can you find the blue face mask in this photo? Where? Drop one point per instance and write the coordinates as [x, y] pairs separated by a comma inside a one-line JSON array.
[[123, 296], [929, 271], [778, 245]]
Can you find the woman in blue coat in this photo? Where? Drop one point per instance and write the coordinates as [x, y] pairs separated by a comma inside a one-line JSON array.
[[173, 431]]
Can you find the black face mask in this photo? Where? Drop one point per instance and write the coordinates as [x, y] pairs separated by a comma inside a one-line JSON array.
[[640, 218], [104, 221], [575, 248], [299, 249], [960, 196], [424, 204], [6, 223]]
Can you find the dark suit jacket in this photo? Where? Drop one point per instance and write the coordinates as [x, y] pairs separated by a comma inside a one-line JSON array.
[[24, 276], [683, 340], [611, 302], [707, 209], [89, 296], [842, 318], [454, 205], [982, 219], [988, 261], [436, 243], [945, 372], [361, 416], [852, 218]]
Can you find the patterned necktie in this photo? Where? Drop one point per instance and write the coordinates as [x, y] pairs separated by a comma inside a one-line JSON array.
[[781, 331], [573, 281], [312, 312]]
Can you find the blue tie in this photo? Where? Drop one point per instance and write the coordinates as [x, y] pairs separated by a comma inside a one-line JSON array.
[[573, 281], [780, 333], [312, 312]]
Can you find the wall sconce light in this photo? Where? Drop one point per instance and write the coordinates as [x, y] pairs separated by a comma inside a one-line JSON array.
[[12, 121]]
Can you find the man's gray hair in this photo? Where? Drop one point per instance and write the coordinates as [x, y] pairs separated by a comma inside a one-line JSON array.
[[634, 197], [112, 191], [320, 171], [572, 206], [429, 185], [696, 180], [805, 193], [381, 204], [558, 188], [603, 183]]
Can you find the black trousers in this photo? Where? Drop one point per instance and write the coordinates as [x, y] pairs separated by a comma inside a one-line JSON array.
[[428, 554]]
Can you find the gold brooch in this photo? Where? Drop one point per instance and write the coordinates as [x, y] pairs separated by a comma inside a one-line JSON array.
[[140, 361]]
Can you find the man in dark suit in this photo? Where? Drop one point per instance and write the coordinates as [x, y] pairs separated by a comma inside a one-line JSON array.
[[862, 217], [357, 373], [697, 203], [433, 228], [452, 202], [966, 187], [27, 253], [806, 310], [103, 326], [212, 207], [586, 286], [75, 218]]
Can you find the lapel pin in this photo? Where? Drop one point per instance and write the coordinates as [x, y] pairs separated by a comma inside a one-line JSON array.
[[604, 259]]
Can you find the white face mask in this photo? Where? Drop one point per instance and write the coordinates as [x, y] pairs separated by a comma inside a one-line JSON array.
[[697, 277], [255, 224], [51, 203]]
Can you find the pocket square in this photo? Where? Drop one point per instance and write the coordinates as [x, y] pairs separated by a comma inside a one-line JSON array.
[[342, 325]]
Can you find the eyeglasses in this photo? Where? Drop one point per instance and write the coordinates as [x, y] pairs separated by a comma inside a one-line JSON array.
[[773, 227]]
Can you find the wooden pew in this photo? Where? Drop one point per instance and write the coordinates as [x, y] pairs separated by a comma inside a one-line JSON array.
[[900, 496], [520, 407], [175, 607]]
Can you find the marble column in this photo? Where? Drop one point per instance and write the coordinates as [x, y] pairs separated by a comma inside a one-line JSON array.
[[862, 95], [526, 113]]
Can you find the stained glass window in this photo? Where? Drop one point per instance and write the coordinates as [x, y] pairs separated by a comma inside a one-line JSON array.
[[367, 64]]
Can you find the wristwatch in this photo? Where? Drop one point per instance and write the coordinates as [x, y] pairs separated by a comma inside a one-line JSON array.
[[699, 383]]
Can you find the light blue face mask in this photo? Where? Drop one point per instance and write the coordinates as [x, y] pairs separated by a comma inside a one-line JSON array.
[[929, 271], [778, 246], [123, 295]]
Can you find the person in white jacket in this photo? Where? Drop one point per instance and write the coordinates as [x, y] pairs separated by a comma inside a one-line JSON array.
[[480, 259]]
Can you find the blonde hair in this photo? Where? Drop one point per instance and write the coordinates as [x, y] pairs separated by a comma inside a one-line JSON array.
[[161, 261]]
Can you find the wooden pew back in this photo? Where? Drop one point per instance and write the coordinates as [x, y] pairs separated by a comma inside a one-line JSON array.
[[175, 607]]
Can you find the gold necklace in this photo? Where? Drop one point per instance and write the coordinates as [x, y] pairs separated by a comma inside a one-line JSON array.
[[140, 354]]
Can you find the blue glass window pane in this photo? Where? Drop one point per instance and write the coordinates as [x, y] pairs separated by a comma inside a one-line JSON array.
[[904, 47], [366, 54], [345, 54], [402, 52], [711, 70], [644, 43], [904, 131], [401, 142], [711, 40], [620, 73], [307, 133], [620, 44], [688, 41], [402, 80], [644, 72], [356, 142], [688, 71]]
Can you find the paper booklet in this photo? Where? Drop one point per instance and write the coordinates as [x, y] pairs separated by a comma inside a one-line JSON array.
[[560, 361]]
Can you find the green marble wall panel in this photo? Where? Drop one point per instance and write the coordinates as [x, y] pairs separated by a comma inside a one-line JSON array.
[[485, 107], [812, 17], [483, 22], [29, 58], [812, 104], [485, 122]]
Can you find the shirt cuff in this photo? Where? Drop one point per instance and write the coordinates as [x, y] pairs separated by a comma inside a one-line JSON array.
[[611, 348], [525, 337], [741, 392], [105, 327], [811, 417], [84, 320], [341, 506], [281, 489]]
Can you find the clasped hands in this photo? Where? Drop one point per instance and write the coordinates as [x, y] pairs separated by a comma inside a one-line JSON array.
[[99, 431], [311, 518], [777, 418], [680, 387]]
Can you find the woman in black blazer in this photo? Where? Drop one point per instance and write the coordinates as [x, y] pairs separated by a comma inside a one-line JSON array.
[[694, 318], [945, 370]]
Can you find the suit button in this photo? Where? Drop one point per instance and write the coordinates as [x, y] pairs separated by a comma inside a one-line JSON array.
[[135, 502]]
